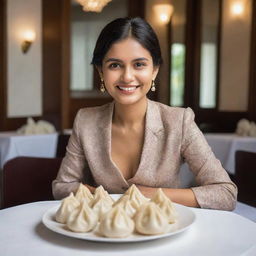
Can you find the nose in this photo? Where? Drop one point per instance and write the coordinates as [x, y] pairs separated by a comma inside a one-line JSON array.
[[127, 75]]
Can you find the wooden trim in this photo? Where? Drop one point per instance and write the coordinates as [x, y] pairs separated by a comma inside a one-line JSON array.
[[210, 120], [192, 61], [252, 83], [218, 68], [136, 8], [65, 63], [3, 67], [55, 75]]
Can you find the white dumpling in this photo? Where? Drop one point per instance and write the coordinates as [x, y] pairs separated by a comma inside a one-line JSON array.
[[159, 196], [101, 206], [116, 223], [125, 203], [68, 204], [136, 197], [150, 220], [100, 192], [83, 193], [169, 210], [82, 219]]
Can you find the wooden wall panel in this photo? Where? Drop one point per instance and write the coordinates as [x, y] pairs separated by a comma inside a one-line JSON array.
[[3, 64], [52, 56], [252, 88]]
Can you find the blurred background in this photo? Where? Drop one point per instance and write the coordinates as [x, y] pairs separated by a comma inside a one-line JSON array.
[[208, 48]]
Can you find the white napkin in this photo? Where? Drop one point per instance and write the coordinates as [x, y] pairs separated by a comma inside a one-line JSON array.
[[246, 128], [40, 127]]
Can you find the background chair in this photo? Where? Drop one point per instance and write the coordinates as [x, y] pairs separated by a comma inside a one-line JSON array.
[[245, 176], [61, 144], [28, 179]]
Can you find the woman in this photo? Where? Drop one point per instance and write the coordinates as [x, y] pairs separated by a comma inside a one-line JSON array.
[[134, 140]]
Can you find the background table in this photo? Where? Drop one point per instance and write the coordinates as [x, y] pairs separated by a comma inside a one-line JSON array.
[[225, 146], [38, 145], [213, 233]]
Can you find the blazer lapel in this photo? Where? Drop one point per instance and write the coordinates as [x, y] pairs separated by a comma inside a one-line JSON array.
[[150, 152], [105, 170], [111, 171]]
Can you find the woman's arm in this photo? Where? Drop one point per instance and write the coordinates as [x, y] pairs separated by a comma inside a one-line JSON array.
[[214, 188], [181, 196], [73, 166]]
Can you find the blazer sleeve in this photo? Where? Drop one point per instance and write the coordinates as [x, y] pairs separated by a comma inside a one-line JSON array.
[[215, 189], [71, 172]]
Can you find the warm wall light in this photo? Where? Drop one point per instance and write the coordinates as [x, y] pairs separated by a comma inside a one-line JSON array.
[[93, 5], [28, 38], [163, 12], [237, 9]]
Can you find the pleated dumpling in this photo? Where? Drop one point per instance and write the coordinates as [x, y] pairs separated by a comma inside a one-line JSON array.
[[68, 204], [136, 197], [159, 196], [101, 206], [116, 223], [150, 220], [82, 219], [169, 210], [100, 192], [125, 203], [83, 193]]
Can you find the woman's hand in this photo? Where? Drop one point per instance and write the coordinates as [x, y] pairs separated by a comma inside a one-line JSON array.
[[183, 196], [146, 191], [91, 188]]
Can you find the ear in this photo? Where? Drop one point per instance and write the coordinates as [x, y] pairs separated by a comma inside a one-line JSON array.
[[100, 71], [155, 72]]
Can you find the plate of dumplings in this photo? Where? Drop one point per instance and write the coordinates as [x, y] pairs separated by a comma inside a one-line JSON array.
[[130, 217]]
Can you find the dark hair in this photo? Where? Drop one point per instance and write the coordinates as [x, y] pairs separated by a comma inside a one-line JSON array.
[[122, 28]]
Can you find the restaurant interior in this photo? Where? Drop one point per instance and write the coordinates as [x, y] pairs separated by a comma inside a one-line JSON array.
[[209, 62]]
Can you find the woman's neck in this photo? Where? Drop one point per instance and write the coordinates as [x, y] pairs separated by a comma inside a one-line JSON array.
[[130, 115]]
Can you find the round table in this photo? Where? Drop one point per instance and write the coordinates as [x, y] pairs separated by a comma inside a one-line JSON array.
[[213, 233]]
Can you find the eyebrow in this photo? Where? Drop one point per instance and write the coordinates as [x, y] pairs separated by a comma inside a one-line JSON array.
[[118, 60]]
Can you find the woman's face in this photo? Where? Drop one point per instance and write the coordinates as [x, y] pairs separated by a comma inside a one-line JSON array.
[[128, 71]]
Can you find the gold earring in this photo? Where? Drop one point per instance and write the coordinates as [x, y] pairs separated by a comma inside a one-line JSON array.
[[102, 86], [153, 86]]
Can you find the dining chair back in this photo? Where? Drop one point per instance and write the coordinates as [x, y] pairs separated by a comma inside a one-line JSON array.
[[245, 176], [62, 144], [28, 179]]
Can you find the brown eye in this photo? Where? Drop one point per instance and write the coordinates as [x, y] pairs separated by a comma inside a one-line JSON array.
[[139, 64], [114, 65]]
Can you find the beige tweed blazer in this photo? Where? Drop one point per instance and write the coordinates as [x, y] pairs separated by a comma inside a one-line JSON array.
[[171, 136]]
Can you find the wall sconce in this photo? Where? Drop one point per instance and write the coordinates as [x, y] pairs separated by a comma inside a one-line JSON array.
[[28, 38], [237, 9], [163, 12]]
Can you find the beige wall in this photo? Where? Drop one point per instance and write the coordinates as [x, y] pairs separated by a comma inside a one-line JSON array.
[[235, 53], [24, 71]]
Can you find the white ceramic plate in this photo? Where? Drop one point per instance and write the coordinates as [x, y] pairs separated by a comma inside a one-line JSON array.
[[186, 218]]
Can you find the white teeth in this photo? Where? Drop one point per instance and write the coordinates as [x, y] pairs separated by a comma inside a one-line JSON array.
[[127, 88]]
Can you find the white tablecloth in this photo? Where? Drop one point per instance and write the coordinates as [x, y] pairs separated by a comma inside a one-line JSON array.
[[13, 145], [225, 146], [213, 233]]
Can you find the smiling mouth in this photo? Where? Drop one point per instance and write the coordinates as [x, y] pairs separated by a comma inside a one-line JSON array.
[[128, 88]]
